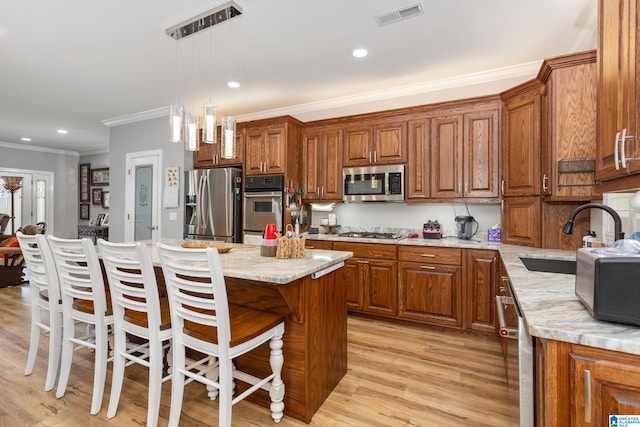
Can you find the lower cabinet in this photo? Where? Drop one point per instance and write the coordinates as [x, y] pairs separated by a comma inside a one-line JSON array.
[[582, 386], [430, 285], [370, 277], [481, 281]]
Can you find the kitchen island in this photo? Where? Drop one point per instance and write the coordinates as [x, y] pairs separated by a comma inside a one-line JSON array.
[[308, 295]]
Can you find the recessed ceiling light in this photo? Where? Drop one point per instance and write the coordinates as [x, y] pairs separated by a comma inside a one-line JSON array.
[[63, 131], [234, 85], [25, 139], [360, 53]]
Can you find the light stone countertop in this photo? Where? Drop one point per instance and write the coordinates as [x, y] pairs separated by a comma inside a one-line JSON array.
[[245, 262], [547, 300]]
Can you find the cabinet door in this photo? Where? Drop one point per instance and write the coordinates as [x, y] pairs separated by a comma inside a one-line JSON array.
[[481, 279], [203, 158], [390, 143], [254, 156], [238, 149], [418, 162], [481, 149], [312, 160], [357, 146], [617, 61], [380, 290], [600, 388], [332, 171], [521, 221], [446, 156], [275, 150], [521, 145], [351, 276], [430, 293]]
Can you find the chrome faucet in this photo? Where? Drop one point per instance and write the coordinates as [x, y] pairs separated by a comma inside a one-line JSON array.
[[618, 233]]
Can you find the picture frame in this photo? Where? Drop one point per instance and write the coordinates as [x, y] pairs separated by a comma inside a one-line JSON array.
[[92, 221], [96, 196], [83, 181], [105, 199], [100, 177], [84, 210], [99, 220], [105, 220]]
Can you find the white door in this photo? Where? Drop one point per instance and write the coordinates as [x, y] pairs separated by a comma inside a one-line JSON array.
[[142, 196], [33, 203]]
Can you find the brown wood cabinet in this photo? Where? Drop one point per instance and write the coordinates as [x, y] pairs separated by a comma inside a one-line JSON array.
[[618, 150], [379, 143], [272, 148], [318, 244], [481, 283], [322, 167], [417, 184], [582, 386], [521, 221], [446, 156], [568, 138], [430, 285], [209, 155], [370, 277], [521, 140]]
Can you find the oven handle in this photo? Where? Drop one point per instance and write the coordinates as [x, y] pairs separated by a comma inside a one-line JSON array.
[[262, 194], [503, 330]]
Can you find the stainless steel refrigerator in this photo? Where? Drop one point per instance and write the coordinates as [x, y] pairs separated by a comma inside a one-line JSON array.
[[213, 204]]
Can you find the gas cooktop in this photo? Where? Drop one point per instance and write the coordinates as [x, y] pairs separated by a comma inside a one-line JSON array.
[[369, 235]]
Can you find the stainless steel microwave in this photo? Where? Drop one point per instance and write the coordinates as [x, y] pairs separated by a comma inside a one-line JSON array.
[[373, 184]]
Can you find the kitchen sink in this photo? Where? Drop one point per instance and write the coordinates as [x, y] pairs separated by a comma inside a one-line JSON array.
[[548, 265]]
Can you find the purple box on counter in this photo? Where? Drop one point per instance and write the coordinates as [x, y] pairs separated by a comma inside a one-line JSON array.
[[494, 235]]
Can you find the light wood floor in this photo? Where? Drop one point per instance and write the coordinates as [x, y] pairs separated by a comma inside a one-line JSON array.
[[397, 376]]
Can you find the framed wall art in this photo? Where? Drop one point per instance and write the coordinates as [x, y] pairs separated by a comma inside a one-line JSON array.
[[105, 199], [83, 181], [96, 196], [84, 211], [100, 177]]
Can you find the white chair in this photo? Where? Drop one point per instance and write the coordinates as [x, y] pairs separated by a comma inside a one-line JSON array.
[[46, 306], [84, 300], [203, 320], [137, 310]]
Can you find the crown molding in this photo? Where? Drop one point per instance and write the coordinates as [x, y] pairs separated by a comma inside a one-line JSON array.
[[15, 146], [137, 117]]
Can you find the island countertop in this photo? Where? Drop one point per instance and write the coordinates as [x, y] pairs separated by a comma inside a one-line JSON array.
[[244, 262]]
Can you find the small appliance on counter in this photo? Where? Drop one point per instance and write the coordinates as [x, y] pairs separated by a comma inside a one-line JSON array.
[[608, 284], [465, 225], [432, 230]]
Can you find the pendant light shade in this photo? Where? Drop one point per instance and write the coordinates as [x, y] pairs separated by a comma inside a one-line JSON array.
[[228, 148], [209, 125], [176, 117], [191, 140]]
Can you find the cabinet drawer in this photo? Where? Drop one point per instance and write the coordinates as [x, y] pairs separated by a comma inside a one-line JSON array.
[[430, 255], [367, 250], [318, 244]]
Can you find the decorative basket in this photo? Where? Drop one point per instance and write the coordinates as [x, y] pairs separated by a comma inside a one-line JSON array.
[[290, 246]]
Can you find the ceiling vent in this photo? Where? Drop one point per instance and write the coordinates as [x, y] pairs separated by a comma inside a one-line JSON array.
[[205, 20], [400, 14]]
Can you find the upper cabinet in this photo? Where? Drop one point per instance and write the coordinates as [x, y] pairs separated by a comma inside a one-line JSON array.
[[568, 137], [322, 163], [521, 140], [211, 155], [460, 151], [272, 148], [380, 143], [618, 152]]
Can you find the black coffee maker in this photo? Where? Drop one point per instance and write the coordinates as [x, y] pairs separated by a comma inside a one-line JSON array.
[[467, 227]]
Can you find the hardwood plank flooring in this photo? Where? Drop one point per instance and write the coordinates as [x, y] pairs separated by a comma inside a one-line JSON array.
[[398, 376]]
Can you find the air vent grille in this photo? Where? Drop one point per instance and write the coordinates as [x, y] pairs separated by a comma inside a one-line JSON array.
[[400, 14]]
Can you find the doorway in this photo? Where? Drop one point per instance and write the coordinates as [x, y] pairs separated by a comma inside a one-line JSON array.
[[32, 203], [142, 195]]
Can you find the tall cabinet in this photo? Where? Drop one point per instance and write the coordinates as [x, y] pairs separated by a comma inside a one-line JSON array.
[[618, 91], [322, 160]]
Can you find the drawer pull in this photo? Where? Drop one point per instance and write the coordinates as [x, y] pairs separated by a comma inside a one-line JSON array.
[[428, 255], [427, 267], [363, 262]]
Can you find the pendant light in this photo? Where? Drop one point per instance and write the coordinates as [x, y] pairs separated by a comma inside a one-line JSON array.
[[191, 140], [228, 146], [209, 124], [176, 118]]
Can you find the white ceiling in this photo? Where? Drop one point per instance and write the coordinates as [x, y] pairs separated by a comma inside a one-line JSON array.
[[78, 64]]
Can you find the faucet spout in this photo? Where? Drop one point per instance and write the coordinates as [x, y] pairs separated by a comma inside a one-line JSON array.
[[617, 222]]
